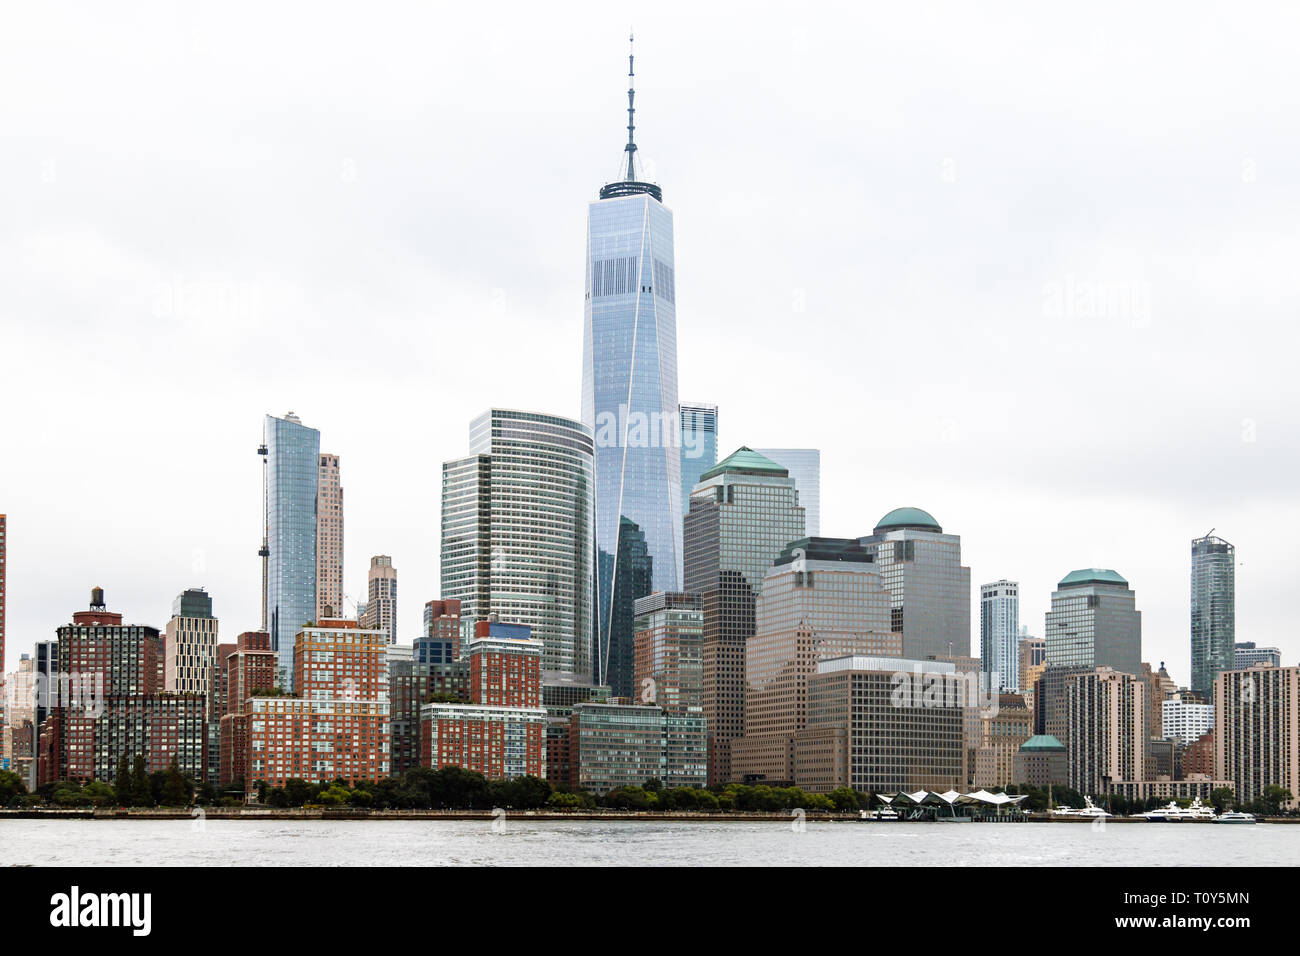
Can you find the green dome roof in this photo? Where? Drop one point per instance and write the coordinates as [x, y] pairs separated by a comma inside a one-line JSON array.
[[1042, 742], [908, 518], [746, 461], [1091, 576]]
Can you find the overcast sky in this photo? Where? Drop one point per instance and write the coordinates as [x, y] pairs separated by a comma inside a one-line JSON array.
[[1031, 270]]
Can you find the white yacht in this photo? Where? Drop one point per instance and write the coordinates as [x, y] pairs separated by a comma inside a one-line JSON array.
[[1089, 810], [1173, 813], [881, 813], [1235, 816]]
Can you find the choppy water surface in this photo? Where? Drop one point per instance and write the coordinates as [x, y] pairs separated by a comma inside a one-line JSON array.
[[519, 841]]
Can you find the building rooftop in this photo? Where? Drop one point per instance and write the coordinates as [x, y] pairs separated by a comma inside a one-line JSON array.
[[1042, 743], [911, 518], [823, 549], [1091, 576], [746, 461]]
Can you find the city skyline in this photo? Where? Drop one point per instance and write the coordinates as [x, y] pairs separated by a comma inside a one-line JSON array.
[[166, 536]]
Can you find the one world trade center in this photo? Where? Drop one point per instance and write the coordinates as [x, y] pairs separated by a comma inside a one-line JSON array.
[[629, 398]]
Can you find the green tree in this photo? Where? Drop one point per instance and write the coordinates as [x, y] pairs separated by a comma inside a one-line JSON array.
[[122, 782], [12, 788], [99, 794], [175, 792], [844, 798], [299, 791], [141, 794], [1222, 798], [1271, 801]]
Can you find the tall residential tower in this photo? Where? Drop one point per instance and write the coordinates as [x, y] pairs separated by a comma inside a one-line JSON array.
[[291, 453], [1213, 611], [1000, 632], [329, 539]]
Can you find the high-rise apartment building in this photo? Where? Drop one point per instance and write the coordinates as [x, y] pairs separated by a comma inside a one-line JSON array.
[[629, 385], [501, 731], [921, 567], [445, 633], [18, 733], [291, 465], [337, 724], [1257, 731], [1246, 655], [615, 745], [1105, 720], [743, 513], [381, 597], [1214, 571], [413, 683], [106, 703], [1003, 732], [1184, 719], [699, 445], [1093, 622], [805, 467], [189, 644], [517, 532], [329, 539], [1032, 652], [668, 663], [246, 668], [1000, 633], [822, 598]]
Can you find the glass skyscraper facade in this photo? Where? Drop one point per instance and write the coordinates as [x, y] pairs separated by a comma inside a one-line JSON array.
[[921, 567], [517, 531], [629, 389], [805, 466], [746, 511], [1000, 632], [292, 452], [1214, 622], [699, 445], [1094, 622]]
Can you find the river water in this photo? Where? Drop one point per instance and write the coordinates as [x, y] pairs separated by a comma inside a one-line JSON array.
[[520, 841]]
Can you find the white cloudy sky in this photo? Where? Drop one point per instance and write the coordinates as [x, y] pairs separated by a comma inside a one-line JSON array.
[[1031, 270]]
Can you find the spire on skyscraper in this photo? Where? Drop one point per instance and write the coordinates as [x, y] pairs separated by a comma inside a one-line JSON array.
[[630, 185], [631, 111]]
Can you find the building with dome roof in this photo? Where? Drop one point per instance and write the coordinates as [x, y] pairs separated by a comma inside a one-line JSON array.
[[921, 567], [1093, 622], [1041, 761], [741, 514]]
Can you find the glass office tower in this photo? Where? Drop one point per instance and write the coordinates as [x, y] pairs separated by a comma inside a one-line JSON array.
[[805, 465], [921, 566], [1000, 632], [699, 445], [292, 461], [1214, 623], [517, 531], [629, 386], [1094, 622]]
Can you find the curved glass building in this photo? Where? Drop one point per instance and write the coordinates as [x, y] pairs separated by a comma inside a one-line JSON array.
[[291, 453], [1214, 621], [517, 531], [629, 390]]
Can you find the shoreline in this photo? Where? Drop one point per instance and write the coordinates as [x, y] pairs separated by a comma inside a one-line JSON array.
[[322, 814]]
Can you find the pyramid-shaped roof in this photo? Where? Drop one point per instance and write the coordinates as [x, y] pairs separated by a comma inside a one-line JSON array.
[[745, 461]]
